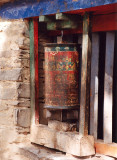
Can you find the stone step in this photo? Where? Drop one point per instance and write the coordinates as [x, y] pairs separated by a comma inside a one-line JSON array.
[[37, 152], [69, 142]]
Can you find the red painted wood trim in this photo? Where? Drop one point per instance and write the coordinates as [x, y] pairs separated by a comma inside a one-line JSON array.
[[99, 23], [104, 9], [104, 22], [35, 21]]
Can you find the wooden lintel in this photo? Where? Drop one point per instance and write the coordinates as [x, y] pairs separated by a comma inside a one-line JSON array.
[[106, 149], [99, 23], [65, 17], [85, 76], [46, 18], [61, 16], [62, 25]]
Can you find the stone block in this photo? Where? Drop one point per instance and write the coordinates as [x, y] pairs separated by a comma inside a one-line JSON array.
[[9, 135], [23, 102], [27, 41], [13, 62], [52, 114], [69, 142], [8, 103], [25, 63], [43, 135], [25, 75], [24, 90], [22, 117], [6, 115], [23, 130], [10, 75], [8, 93], [9, 54], [60, 126]]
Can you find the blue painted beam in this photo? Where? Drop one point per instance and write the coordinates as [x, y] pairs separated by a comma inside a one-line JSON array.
[[31, 8]]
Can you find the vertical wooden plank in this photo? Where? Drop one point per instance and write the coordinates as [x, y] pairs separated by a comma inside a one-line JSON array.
[[108, 87], [94, 85], [36, 58], [85, 76], [115, 93], [32, 72]]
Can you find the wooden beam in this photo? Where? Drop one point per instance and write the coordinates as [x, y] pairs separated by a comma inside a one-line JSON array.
[[32, 72], [34, 79], [99, 23], [104, 22], [66, 17], [46, 18], [108, 99], [36, 56], [85, 76], [62, 25], [94, 85], [106, 149], [61, 16]]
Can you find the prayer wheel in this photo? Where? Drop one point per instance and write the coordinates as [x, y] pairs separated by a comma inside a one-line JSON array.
[[61, 76]]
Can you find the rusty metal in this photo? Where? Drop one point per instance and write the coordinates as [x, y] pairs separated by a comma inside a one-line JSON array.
[[61, 76]]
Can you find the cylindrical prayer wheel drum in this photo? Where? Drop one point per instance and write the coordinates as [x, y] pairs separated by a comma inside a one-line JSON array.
[[61, 76]]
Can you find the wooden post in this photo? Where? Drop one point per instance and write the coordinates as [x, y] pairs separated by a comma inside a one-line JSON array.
[[32, 72], [35, 21], [94, 85], [85, 76], [108, 104], [115, 93], [34, 84]]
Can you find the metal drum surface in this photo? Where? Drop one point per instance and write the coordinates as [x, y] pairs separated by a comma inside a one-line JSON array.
[[61, 76]]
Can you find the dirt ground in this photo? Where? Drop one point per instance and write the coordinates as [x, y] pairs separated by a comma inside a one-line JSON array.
[[30, 151]]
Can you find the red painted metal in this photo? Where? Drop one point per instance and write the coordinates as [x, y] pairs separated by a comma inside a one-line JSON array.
[[35, 21], [61, 76]]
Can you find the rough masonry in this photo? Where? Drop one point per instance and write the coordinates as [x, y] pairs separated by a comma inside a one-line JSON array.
[[14, 83]]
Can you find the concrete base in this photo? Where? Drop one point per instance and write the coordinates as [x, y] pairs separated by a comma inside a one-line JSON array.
[[69, 142]]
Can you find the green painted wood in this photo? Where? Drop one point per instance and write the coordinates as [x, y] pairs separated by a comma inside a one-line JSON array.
[[68, 25], [46, 18], [66, 17], [32, 72], [61, 16], [62, 25], [85, 76], [52, 26]]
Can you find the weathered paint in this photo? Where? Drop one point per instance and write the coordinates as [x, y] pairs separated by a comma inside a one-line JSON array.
[[34, 76], [36, 57], [99, 23], [61, 76], [30, 8], [85, 76], [32, 72]]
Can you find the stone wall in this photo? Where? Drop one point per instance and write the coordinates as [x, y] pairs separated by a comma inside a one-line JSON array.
[[14, 82]]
